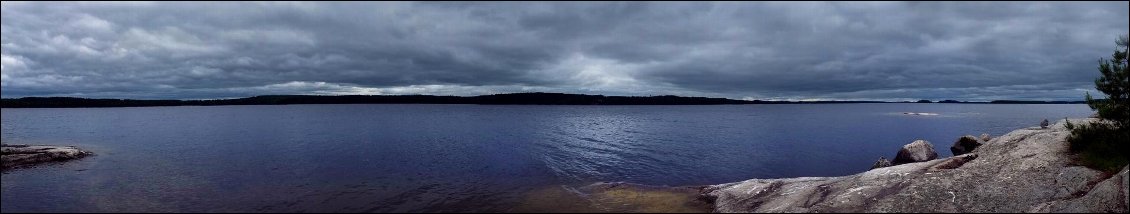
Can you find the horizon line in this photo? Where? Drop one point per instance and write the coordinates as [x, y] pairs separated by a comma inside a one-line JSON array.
[[805, 100]]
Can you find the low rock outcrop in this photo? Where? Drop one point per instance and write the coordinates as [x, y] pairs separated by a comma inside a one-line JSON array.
[[917, 151], [964, 144], [23, 155], [1027, 170]]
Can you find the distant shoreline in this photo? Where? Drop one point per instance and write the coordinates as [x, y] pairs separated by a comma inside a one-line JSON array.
[[497, 99]]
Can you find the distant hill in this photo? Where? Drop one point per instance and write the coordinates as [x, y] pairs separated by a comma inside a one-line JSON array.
[[537, 98], [1035, 102]]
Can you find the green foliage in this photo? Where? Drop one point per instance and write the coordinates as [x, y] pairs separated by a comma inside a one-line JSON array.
[[1115, 83], [1103, 145]]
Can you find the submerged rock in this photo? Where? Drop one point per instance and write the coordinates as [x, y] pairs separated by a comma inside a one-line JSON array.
[[920, 113], [1027, 170], [617, 197], [917, 151], [964, 144], [22, 155]]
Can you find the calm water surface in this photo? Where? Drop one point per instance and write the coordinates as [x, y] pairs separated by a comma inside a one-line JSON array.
[[432, 158]]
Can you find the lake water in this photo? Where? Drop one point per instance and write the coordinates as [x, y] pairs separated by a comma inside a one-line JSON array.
[[434, 158]]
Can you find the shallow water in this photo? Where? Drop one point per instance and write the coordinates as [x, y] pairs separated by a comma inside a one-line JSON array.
[[433, 158]]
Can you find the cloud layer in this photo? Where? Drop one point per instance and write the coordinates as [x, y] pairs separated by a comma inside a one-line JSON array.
[[752, 50]]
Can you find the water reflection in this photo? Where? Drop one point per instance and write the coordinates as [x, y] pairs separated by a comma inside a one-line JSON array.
[[614, 198]]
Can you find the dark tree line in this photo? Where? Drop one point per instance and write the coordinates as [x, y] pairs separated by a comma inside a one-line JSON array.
[[496, 99]]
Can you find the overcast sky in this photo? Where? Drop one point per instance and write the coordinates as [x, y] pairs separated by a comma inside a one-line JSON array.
[[743, 50]]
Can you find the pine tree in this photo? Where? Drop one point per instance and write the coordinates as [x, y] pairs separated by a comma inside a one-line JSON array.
[[1106, 146], [1115, 83]]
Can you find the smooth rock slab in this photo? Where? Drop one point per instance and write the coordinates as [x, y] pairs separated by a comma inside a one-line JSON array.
[[1074, 180], [12, 156], [1108, 196]]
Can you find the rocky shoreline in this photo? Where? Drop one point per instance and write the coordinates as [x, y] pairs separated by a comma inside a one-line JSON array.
[[1026, 170], [15, 156]]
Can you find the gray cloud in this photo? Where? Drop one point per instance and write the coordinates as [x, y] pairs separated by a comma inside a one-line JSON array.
[[753, 50]]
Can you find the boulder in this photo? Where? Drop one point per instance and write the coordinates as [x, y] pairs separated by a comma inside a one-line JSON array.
[[964, 144], [917, 151], [985, 137], [882, 162]]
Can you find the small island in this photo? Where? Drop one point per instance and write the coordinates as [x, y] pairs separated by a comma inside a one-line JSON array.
[[15, 156]]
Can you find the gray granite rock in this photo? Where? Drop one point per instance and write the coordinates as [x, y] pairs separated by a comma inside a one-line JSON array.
[[1108, 196], [1074, 180], [1026, 170], [917, 151]]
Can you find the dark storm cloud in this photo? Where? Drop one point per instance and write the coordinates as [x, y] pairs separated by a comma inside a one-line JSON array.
[[756, 50]]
